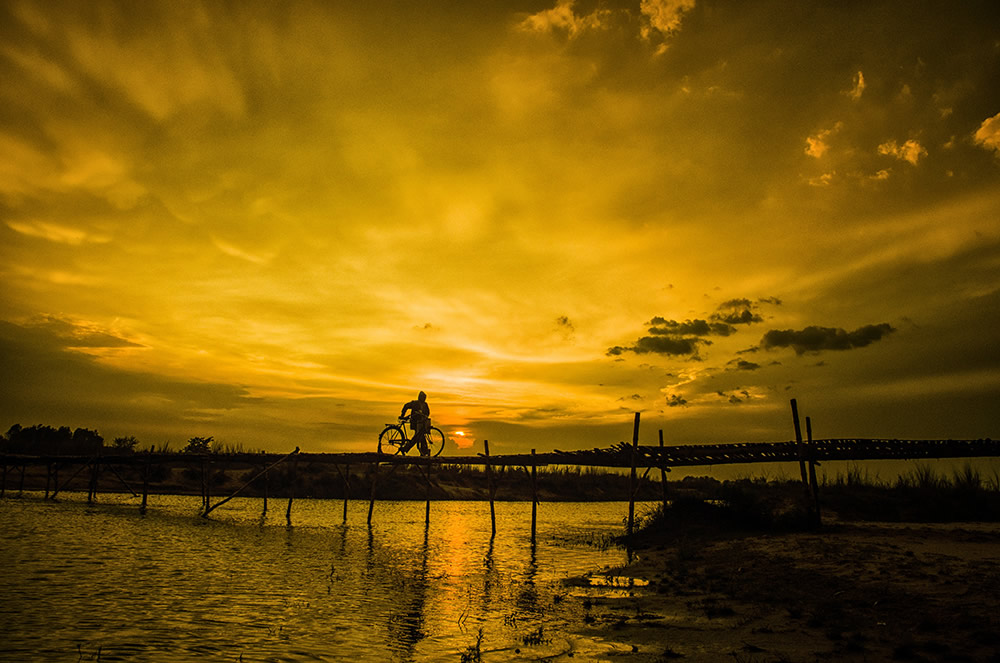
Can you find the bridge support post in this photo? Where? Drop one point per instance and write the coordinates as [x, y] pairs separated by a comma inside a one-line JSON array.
[[534, 496], [632, 478], [663, 475], [291, 488], [145, 481], [812, 474], [371, 501], [491, 490]]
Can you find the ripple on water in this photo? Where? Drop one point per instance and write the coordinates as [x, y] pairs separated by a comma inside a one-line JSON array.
[[171, 586]]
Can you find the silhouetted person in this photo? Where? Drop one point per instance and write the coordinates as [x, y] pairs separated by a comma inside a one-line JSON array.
[[420, 423]]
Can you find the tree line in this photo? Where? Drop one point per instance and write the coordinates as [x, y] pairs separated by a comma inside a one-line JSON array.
[[41, 440]]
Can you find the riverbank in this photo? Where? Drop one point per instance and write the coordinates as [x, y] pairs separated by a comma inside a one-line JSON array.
[[849, 591]]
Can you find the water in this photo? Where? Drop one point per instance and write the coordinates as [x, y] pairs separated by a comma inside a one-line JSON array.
[[101, 582]]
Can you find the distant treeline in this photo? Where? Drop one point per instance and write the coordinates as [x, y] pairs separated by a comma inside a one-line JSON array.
[[41, 440], [49, 441]]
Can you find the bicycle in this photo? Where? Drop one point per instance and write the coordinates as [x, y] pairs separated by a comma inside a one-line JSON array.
[[393, 436]]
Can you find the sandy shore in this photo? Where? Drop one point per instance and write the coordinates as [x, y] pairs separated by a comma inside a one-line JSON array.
[[847, 592]]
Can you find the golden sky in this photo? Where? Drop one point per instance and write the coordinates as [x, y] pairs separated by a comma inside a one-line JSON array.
[[275, 222]]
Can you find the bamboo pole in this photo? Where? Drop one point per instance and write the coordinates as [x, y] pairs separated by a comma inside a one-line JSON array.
[[663, 474], [534, 496], [632, 481], [291, 488], [812, 473], [58, 488], [347, 487], [121, 479], [92, 485], [267, 489], [371, 501], [427, 494], [798, 443], [257, 476], [491, 490], [145, 481]]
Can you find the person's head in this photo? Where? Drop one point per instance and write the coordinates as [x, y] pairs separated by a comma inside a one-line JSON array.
[[421, 396]]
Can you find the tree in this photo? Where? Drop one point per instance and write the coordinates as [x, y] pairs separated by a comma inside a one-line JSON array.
[[198, 445], [124, 444]]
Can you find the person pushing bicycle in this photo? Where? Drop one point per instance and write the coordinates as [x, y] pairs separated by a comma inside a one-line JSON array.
[[420, 423]]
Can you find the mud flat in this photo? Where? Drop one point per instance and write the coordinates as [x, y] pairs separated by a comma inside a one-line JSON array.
[[850, 591]]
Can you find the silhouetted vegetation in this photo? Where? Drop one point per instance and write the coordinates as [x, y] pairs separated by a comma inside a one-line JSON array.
[[46, 440], [705, 506]]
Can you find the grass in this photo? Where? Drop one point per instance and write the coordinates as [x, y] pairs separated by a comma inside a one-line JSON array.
[[707, 506]]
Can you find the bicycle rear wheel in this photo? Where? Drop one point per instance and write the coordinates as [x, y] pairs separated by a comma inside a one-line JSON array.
[[435, 441], [391, 439]]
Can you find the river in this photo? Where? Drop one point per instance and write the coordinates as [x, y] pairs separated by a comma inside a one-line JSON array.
[[102, 582]]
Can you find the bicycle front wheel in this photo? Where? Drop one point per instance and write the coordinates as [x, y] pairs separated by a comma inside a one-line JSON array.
[[391, 439], [435, 441]]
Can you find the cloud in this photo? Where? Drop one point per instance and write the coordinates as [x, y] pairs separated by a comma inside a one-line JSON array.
[[58, 233], [664, 345], [743, 365], [910, 151], [562, 18], [817, 146], [859, 87], [988, 134], [663, 16], [739, 312], [674, 337], [663, 327], [817, 339], [75, 334], [675, 400]]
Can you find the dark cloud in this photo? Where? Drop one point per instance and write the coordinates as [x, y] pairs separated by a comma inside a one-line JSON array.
[[674, 400], [565, 324], [675, 337], [817, 339], [663, 327], [742, 365], [665, 345]]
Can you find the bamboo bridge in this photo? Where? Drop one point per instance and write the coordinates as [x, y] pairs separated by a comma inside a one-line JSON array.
[[806, 452]]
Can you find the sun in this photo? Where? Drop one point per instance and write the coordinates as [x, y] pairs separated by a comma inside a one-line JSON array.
[[463, 440]]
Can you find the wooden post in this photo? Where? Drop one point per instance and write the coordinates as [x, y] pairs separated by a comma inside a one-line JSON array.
[[534, 496], [20, 485], [798, 444], [812, 472], [3, 482], [204, 487], [491, 490], [145, 481], [631, 483], [347, 488], [267, 489], [371, 501], [427, 494], [291, 488], [663, 475], [92, 486]]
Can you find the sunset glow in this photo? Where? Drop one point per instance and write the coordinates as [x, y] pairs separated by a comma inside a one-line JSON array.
[[274, 224]]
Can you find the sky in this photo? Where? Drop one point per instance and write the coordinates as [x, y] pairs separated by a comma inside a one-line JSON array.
[[273, 223]]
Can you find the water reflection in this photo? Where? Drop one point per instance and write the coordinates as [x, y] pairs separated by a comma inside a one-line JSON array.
[[406, 625], [171, 585]]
